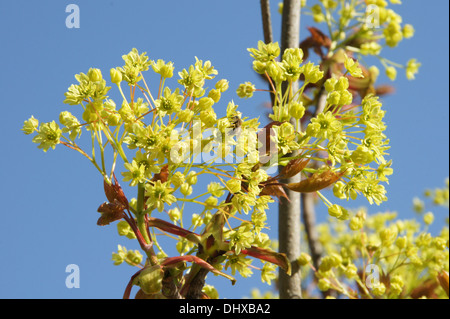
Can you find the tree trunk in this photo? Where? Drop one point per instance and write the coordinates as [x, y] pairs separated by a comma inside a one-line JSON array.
[[309, 222], [290, 211], [266, 21], [308, 210], [268, 35]]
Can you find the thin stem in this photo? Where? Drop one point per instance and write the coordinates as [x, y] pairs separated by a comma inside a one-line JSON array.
[[141, 224]]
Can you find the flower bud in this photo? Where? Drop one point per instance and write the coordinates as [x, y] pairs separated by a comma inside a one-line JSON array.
[[133, 257], [89, 116], [428, 218], [440, 243], [205, 103], [275, 71], [185, 115], [311, 72], [338, 190], [408, 31], [124, 229], [119, 257], [174, 214], [335, 211], [293, 55], [126, 113], [211, 202], [374, 73], [186, 189], [391, 73], [401, 242], [351, 271], [215, 95], [356, 223], [326, 264], [379, 289], [116, 76], [95, 75], [223, 124], [346, 98], [336, 260], [372, 48], [192, 178], [345, 215], [412, 68], [207, 218], [30, 126], [259, 67], [318, 16], [353, 67], [196, 220], [259, 176], [97, 105], [222, 85], [164, 69], [342, 84], [304, 259], [67, 119], [245, 90], [330, 84], [234, 185], [178, 179], [208, 117], [215, 189], [324, 284], [333, 98], [362, 155], [387, 237], [297, 110], [396, 285], [114, 119]]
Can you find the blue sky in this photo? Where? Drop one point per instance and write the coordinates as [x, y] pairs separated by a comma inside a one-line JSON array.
[[49, 200]]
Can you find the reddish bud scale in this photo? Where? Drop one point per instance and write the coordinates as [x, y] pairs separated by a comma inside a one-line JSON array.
[[278, 259], [316, 41], [294, 167], [316, 182], [269, 148], [114, 192], [110, 212], [174, 261], [170, 228], [443, 280], [162, 176], [274, 190]]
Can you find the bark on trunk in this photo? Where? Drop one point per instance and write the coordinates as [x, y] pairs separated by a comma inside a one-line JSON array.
[[290, 211]]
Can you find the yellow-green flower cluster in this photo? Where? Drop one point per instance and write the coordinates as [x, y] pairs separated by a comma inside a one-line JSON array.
[[290, 67], [245, 90], [439, 196], [383, 257], [124, 229], [366, 28], [135, 64], [170, 140], [48, 134], [353, 152], [131, 257]]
